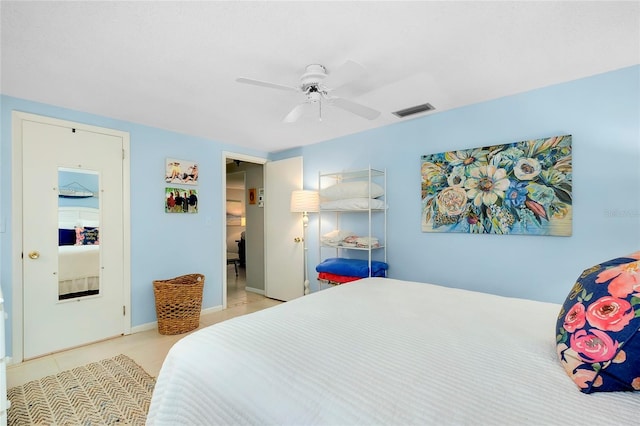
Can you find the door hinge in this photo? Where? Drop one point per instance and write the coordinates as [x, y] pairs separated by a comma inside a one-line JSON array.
[[123, 153], [124, 310]]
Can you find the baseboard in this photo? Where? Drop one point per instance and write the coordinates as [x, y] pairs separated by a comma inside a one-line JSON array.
[[154, 325], [211, 310], [254, 290], [144, 327]]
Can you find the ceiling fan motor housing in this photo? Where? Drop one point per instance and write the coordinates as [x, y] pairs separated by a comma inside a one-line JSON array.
[[313, 75]]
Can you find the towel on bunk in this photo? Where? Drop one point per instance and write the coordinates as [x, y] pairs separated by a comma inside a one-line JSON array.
[[352, 267], [335, 278], [366, 242]]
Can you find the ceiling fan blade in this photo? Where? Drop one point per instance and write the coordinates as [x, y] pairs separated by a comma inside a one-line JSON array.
[[355, 108], [295, 113], [266, 84], [346, 73]]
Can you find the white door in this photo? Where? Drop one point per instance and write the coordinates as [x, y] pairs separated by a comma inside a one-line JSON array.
[[284, 275], [76, 296]]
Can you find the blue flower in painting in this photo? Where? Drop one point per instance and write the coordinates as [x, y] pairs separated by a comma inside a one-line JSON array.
[[540, 193], [516, 194]]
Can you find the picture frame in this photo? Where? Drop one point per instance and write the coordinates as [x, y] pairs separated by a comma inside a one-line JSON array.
[[180, 200], [183, 172], [522, 188], [234, 212]]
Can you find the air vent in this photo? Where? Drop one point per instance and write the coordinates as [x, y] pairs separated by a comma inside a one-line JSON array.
[[413, 110]]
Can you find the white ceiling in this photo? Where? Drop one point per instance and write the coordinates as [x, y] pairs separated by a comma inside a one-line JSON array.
[[173, 65]]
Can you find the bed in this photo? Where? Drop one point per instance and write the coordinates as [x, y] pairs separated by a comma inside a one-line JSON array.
[[79, 270], [78, 252], [381, 351]]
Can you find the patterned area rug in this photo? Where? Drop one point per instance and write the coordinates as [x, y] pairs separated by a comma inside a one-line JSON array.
[[111, 391]]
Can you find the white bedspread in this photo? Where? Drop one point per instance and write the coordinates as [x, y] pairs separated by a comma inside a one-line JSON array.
[[78, 268], [381, 351]]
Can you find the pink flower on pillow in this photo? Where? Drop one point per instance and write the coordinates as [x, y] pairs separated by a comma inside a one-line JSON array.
[[610, 313], [583, 377], [635, 255], [595, 346], [575, 318], [79, 236], [625, 279]]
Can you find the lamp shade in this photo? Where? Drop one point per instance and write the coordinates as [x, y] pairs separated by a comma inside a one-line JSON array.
[[304, 201]]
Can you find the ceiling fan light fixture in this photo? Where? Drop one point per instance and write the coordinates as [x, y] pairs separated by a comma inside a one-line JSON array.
[[413, 110], [317, 86]]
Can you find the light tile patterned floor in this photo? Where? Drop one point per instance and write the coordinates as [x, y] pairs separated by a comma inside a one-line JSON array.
[[147, 348]]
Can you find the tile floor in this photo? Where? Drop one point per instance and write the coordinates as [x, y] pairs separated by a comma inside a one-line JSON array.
[[147, 348]]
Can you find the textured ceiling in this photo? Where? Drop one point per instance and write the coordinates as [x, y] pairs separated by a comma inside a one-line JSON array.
[[173, 65]]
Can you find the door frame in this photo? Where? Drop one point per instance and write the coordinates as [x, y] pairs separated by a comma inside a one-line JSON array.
[[223, 261], [17, 320]]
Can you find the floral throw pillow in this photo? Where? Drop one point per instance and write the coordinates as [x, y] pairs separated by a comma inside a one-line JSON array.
[[598, 328], [87, 236]]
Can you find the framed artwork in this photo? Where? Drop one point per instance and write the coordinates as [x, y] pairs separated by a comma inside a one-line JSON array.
[[234, 212], [252, 196], [180, 200], [181, 171], [518, 188]]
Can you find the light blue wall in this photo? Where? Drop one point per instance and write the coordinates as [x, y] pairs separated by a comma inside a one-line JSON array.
[[603, 115], [162, 245]]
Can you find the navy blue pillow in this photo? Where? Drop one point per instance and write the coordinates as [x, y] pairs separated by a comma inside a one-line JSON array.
[[598, 328], [66, 237]]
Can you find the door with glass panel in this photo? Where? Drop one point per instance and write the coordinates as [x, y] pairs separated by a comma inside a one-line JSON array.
[[72, 237]]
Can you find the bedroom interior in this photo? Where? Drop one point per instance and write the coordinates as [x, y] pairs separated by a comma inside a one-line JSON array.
[[532, 130]]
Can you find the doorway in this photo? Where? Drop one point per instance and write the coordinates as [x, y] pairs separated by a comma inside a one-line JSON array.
[[243, 230], [236, 219], [71, 221]]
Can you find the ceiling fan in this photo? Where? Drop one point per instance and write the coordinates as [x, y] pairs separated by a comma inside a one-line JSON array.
[[317, 86]]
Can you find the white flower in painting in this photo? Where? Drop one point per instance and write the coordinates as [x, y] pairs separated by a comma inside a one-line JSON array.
[[456, 177], [467, 158], [527, 168], [452, 201], [486, 184]]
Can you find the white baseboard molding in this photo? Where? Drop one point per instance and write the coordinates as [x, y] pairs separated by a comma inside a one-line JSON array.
[[211, 310], [254, 290], [144, 327], [153, 325]]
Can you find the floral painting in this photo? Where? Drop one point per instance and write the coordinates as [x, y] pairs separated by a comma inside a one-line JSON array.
[[517, 188]]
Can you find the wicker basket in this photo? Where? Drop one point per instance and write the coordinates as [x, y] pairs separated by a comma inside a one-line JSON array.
[[178, 303]]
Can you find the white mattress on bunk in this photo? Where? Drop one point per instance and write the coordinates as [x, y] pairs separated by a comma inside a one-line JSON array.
[[380, 351]]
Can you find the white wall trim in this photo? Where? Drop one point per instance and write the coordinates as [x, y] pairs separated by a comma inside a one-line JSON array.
[[144, 327], [255, 290], [154, 325]]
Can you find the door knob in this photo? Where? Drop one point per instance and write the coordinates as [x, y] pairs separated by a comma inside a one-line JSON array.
[[297, 239], [34, 255]]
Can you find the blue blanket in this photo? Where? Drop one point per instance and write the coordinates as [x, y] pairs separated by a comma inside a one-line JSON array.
[[352, 267]]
